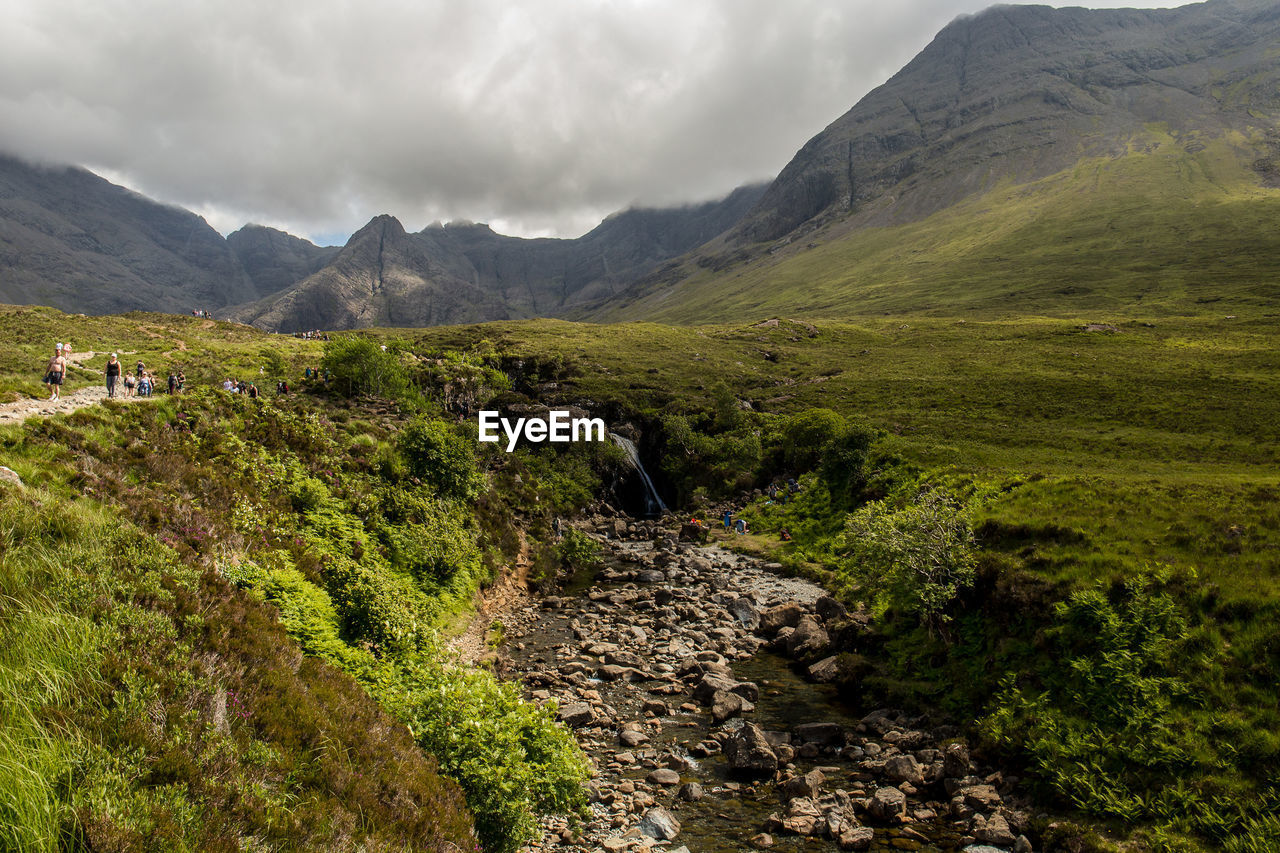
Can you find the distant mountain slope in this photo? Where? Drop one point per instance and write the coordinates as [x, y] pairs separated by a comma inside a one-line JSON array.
[[462, 273], [73, 240], [274, 259], [1028, 159]]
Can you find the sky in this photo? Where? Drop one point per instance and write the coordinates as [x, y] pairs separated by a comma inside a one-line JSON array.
[[539, 117]]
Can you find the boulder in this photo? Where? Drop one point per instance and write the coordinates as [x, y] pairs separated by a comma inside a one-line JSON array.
[[803, 786], [825, 671], [651, 576], [955, 760], [785, 615], [576, 715], [888, 805], [804, 817], [994, 830], [904, 768], [727, 705], [660, 824], [745, 613], [830, 734], [809, 639], [710, 684], [749, 754], [10, 476], [854, 837], [828, 609], [982, 798]]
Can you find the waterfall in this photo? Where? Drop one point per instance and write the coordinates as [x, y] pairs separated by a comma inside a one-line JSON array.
[[653, 504]]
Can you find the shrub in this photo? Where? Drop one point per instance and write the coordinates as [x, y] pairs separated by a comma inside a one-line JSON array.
[[359, 365], [917, 558], [446, 461], [578, 550], [806, 435]]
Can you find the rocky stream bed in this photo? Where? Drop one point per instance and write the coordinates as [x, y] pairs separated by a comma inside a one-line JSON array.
[[693, 678]]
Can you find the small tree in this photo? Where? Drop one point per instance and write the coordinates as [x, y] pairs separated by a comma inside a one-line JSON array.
[[917, 558], [358, 365]]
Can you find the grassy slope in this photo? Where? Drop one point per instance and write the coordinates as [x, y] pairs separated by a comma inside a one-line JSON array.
[[1180, 225]]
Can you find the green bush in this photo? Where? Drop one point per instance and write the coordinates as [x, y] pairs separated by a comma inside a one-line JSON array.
[[806, 437], [440, 457], [510, 756], [577, 550], [917, 558], [359, 365]]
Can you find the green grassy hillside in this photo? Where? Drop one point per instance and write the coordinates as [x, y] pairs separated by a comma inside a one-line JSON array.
[[1099, 468], [1121, 486], [1180, 225]]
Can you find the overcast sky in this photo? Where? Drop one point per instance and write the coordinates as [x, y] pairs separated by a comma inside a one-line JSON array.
[[539, 117]]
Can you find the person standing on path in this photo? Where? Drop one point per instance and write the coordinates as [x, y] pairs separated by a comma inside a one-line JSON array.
[[173, 382], [54, 372], [113, 374]]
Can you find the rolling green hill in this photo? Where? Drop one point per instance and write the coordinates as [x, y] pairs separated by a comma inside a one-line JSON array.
[[1178, 224]]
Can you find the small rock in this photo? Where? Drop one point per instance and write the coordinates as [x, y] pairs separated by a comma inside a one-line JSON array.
[[632, 738], [576, 715], [763, 839], [663, 776], [691, 792]]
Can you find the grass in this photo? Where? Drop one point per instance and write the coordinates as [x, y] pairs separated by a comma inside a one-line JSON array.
[[1162, 231], [206, 351], [1102, 453]]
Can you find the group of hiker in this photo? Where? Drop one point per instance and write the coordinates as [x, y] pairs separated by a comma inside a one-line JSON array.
[[313, 335], [120, 382]]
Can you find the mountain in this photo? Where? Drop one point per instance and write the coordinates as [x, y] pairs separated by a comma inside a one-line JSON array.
[[1029, 159], [273, 259], [463, 273], [73, 240]]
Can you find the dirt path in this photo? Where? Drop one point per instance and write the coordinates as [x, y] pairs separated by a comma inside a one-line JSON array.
[[18, 411]]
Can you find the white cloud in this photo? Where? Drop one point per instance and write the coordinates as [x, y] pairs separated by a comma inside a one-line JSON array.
[[540, 116]]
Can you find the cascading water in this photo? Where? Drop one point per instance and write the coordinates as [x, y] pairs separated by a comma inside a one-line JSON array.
[[653, 504]]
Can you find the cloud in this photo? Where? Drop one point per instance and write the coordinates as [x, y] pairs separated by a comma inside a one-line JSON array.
[[538, 117]]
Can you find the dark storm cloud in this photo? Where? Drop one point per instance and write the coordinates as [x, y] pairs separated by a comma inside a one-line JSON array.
[[539, 117]]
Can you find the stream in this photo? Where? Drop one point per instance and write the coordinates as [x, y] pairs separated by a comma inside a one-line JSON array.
[[690, 674]]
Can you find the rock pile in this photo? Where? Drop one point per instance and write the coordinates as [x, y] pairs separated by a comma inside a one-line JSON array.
[[641, 666]]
